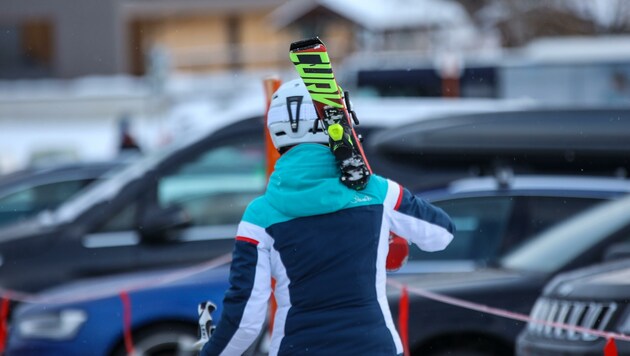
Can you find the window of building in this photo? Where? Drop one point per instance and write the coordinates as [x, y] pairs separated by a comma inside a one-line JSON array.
[[27, 49]]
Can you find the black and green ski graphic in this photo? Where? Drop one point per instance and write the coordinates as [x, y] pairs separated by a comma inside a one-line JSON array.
[[312, 63]]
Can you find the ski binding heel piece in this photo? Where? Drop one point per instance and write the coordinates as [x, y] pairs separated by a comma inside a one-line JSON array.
[[354, 172]]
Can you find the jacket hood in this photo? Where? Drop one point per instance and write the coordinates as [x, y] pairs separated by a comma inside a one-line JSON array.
[[306, 182]]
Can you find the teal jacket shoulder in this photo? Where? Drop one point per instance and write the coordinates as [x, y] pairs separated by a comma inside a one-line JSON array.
[[305, 182]]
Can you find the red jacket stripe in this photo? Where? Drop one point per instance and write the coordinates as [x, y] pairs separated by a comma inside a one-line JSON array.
[[246, 239], [400, 196]]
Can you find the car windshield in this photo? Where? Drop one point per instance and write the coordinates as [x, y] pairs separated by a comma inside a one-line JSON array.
[[107, 188], [103, 189], [556, 247]]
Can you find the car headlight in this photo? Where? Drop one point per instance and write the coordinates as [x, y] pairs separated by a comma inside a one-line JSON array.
[[60, 325]]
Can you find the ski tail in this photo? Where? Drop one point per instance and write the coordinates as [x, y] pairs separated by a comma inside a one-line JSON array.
[[312, 63], [206, 327]]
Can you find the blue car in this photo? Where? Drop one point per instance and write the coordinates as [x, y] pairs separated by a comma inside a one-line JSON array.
[[492, 216], [86, 317]]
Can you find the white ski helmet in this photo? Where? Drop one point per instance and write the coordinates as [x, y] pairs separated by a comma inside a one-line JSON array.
[[292, 117]]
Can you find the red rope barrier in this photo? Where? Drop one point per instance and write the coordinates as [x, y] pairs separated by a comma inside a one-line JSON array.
[[506, 313], [149, 282], [611, 348], [403, 319], [4, 314], [126, 302], [11, 295]]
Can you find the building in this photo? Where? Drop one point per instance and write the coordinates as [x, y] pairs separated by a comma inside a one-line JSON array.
[[66, 38], [98, 43], [378, 25]]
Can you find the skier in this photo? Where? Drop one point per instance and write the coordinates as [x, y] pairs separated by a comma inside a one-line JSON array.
[[324, 244]]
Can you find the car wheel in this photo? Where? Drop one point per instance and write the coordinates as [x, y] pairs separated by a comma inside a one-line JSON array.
[[462, 352], [162, 340], [473, 350]]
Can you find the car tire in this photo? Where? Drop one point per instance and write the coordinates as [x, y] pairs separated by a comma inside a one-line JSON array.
[[478, 347], [473, 350], [162, 340], [463, 352]]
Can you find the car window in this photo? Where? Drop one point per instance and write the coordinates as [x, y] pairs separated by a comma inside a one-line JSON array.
[[481, 223], [123, 220], [30, 200], [541, 212], [215, 188], [555, 247]]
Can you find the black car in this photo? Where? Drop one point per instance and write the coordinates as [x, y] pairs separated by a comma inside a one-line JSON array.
[[596, 298], [513, 284], [178, 206], [494, 215], [474, 203], [175, 207], [28, 192], [568, 141]]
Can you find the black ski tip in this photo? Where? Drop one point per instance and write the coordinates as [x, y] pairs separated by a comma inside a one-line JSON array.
[[305, 44]]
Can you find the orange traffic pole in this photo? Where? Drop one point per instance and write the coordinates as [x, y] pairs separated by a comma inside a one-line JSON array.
[[271, 156]]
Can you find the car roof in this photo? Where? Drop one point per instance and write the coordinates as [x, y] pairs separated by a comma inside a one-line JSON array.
[[549, 139], [514, 130], [50, 174], [526, 182], [540, 184], [397, 111], [60, 168]]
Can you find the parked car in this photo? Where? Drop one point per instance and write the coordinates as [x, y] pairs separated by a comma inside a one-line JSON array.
[[571, 141], [175, 207], [178, 206], [472, 202], [595, 297], [513, 283], [493, 215], [164, 316], [26, 193]]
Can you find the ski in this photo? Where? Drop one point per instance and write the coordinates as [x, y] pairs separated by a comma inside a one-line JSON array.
[[312, 63]]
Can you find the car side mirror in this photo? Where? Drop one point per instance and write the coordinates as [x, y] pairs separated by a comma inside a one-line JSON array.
[[617, 251], [157, 222]]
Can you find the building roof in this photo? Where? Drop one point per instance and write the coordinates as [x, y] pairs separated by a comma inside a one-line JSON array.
[[377, 15], [156, 7]]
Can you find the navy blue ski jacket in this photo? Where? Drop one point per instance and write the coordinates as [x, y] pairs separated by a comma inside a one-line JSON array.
[[326, 247]]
